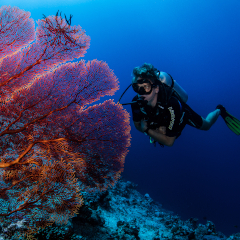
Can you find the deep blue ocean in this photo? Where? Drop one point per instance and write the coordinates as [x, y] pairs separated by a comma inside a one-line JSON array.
[[197, 42]]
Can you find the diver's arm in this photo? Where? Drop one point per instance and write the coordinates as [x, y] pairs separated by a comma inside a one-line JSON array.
[[157, 134], [161, 138]]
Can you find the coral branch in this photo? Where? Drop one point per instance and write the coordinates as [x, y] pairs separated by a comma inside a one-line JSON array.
[[17, 161], [16, 30], [56, 43]]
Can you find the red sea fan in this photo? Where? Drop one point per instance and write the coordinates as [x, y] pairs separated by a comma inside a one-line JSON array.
[[42, 55], [49, 135], [103, 131], [16, 30], [39, 195], [54, 31], [55, 109]]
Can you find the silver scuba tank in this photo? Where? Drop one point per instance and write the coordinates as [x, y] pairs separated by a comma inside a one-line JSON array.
[[165, 78]]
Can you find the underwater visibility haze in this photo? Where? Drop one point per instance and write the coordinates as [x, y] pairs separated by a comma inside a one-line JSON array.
[[197, 42]]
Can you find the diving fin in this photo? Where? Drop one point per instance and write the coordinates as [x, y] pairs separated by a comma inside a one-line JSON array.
[[232, 122]]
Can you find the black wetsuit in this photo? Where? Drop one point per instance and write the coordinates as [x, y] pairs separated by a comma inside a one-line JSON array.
[[174, 116]]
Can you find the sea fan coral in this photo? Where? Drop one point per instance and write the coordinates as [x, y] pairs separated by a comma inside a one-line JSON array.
[[48, 135]]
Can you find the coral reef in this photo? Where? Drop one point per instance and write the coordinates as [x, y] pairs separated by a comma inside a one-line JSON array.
[[123, 213]]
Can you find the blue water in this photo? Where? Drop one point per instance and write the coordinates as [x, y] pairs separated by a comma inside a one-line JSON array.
[[197, 42]]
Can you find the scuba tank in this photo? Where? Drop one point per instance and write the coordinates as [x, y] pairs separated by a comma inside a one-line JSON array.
[[168, 80]]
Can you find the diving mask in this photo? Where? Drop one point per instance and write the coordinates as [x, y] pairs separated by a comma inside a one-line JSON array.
[[146, 89]]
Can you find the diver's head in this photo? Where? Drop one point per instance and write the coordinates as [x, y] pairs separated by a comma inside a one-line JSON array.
[[146, 71], [145, 82]]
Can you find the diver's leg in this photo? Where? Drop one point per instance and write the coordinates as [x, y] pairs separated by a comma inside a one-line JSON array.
[[210, 119], [197, 121]]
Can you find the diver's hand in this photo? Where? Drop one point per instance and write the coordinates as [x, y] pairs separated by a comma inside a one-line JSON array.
[[157, 134], [162, 130]]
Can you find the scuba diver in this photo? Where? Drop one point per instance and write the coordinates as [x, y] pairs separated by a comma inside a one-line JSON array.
[[160, 111]]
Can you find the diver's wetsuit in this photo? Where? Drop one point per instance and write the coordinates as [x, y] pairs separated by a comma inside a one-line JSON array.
[[174, 116]]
